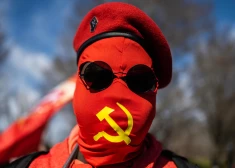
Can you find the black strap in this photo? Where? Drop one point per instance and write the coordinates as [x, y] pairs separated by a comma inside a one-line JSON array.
[[24, 161], [181, 162], [72, 156], [108, 35]]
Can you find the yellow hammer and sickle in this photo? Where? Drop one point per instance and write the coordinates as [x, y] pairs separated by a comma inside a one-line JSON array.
[[122, 135]]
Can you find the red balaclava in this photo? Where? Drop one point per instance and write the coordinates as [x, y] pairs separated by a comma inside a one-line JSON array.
[[113, 122]]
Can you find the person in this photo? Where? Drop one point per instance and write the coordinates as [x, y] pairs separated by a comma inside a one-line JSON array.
[[123, 59]]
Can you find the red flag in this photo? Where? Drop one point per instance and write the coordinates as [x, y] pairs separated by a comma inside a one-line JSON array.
[[24, 135]]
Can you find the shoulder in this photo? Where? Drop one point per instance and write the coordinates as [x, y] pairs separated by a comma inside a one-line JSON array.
[[24, 161], [169, 159], [56, 157]]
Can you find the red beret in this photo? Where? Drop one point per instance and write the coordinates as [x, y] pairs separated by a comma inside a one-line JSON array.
[[117, 19]]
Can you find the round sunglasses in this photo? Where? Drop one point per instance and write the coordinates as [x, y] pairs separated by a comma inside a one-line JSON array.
[[98, 76]]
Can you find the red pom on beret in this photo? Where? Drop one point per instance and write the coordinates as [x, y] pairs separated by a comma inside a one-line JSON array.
[[117, 19]]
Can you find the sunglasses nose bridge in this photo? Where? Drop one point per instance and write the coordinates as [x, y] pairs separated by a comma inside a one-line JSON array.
[[119, 74], [123, 78]]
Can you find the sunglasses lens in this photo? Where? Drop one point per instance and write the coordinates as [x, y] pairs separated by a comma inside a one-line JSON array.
[[141, 78], [97, 75]]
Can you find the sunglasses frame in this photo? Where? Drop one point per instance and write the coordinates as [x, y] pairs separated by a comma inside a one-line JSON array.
[[114, 76]]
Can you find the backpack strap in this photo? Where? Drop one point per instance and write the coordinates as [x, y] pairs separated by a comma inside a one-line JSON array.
[[25, 161], [180, 162], [72, 156]]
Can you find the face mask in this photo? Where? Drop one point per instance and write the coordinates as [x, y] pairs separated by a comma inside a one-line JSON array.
[[113, 119]]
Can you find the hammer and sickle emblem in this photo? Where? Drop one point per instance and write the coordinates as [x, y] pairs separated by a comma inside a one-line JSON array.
[[122, 135]]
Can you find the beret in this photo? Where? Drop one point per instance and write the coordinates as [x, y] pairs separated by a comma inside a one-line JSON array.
[[115, 19]]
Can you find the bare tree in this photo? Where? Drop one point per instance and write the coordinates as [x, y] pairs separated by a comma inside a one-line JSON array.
[[214, 89]]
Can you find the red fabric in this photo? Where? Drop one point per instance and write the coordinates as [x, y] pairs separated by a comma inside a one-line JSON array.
[[24, 135], [59, 154], [121, 54], [57, 157], [117, 16]]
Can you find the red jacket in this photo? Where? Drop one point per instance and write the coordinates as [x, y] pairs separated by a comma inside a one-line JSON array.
[[59, 154]]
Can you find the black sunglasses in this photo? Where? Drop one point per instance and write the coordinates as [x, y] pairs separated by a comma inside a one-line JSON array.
[[98, 76]]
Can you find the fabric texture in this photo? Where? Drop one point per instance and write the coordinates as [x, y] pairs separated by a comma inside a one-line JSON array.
[[122, 17], [149, 158]]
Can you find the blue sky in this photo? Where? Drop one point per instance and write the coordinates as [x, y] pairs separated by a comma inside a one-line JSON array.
[[225, 10], [36, 25]]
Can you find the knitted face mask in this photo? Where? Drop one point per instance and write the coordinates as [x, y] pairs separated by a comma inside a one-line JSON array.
[[113, 120]]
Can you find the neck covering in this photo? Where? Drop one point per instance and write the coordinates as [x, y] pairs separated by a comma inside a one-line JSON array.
[[149, 158], [113, 123]]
